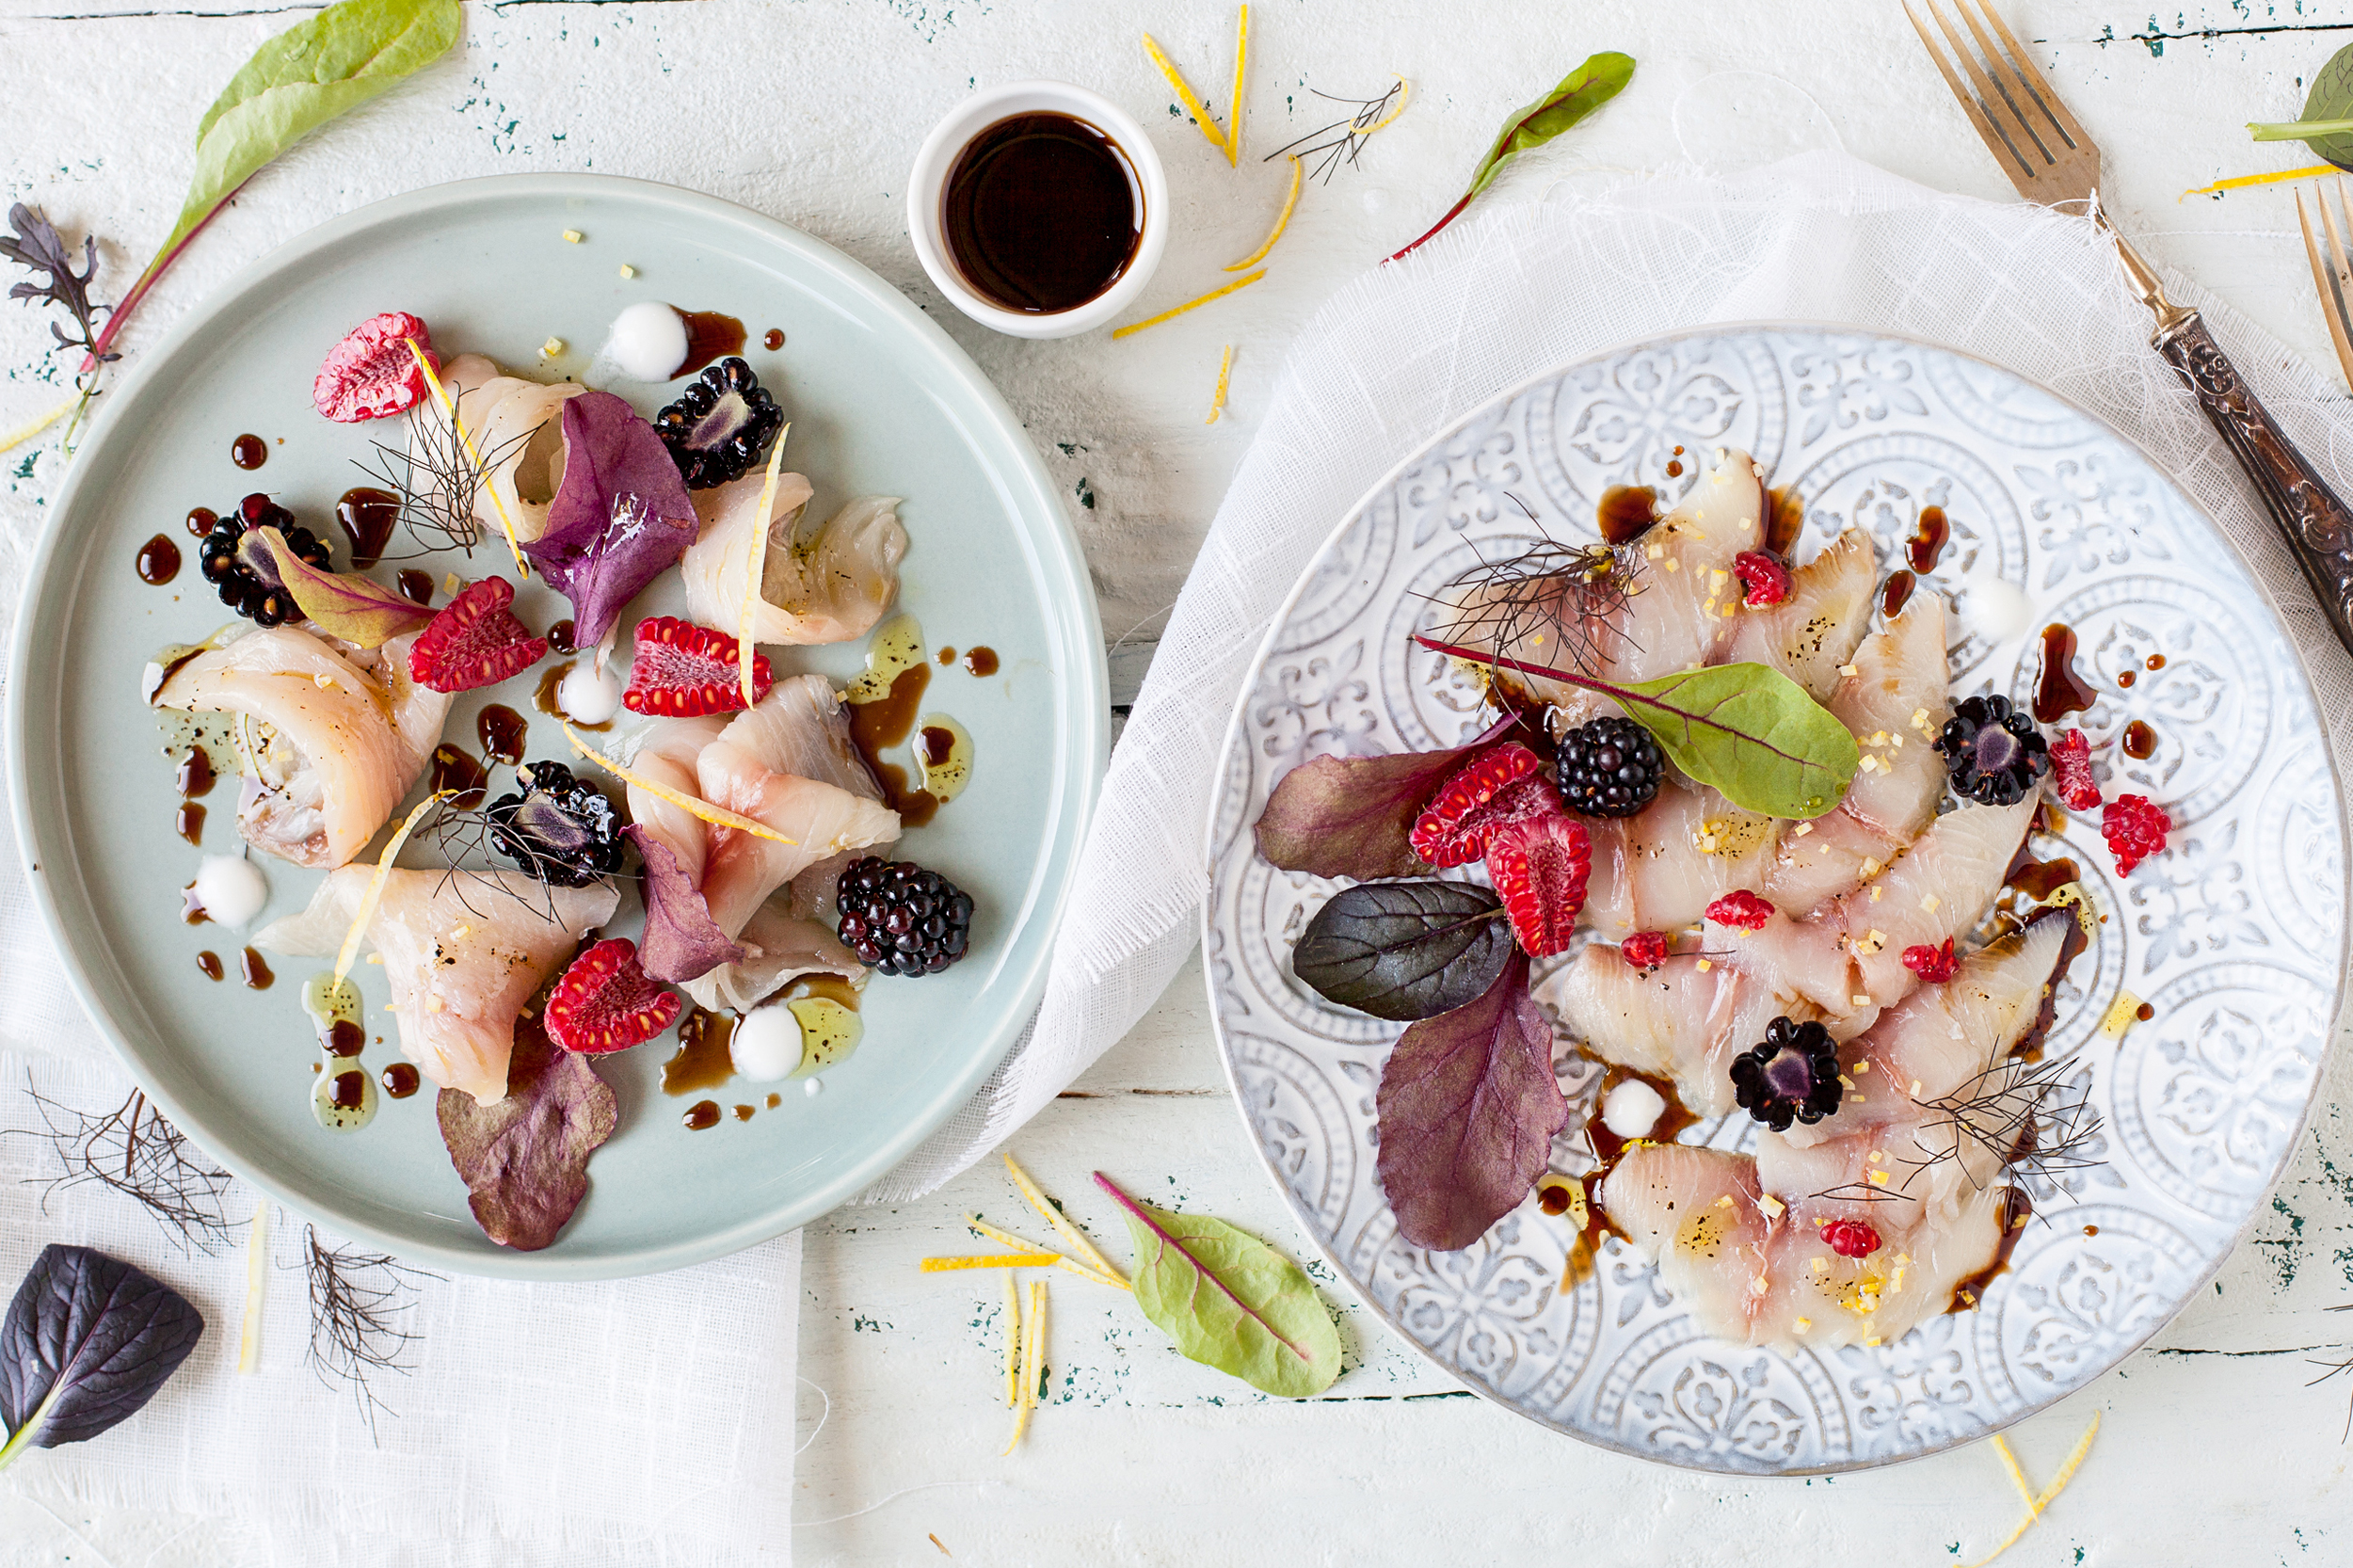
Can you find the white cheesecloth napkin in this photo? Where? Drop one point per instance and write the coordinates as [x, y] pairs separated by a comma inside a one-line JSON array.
[[1504, 297], [540, 1421]]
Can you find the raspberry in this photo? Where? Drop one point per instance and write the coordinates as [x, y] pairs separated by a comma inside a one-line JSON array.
[[1491, 788], [1645, 950], [1934, 965], [371, 373], [2135, 828], [1764, 580], [1740, 910], [2070, 772], [606, 1002], [475, 641], [1539, 866], [1850, 1239], [684, 671]]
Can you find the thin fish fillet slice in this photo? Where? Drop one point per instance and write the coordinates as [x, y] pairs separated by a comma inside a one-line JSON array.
[[1677, 1021], [1813, 633], [1651, 871], [463, 951]]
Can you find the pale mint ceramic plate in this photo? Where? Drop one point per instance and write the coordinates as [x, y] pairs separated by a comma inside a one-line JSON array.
[[881, 402]]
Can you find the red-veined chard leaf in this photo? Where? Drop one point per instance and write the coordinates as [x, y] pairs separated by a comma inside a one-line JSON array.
[[360, 610], [1405, 950], [2326, 124], [1580, 93], [1349, 816], [1229, 1301], [1747, 730], [86, 1342], [525, 1158], [1468, 1109]]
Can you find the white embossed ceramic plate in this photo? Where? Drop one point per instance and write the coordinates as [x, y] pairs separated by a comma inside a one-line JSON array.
[[881, 401], [2235, 936]]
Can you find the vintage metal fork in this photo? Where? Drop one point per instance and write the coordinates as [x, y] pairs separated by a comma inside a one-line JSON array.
[[2333, 276], [2052, 160]]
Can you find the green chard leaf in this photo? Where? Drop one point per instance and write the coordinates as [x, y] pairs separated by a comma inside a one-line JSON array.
[[2327, 123], [1747, 730], [1752, 733], [1229, 1301], [1580, 93], [300, 80], [1405, 950]]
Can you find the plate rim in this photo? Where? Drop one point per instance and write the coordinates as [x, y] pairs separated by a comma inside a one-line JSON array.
[[1074, 618], [1504, 398]]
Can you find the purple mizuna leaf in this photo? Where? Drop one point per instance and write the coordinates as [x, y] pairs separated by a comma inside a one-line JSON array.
[[1468, 1109], [1349, 816], [680, 941], [621, 518], [525, 1158], [344, 604]]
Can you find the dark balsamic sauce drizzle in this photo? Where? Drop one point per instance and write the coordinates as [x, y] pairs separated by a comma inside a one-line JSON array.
[[367, 515], [400, 1079], [980, 662], [201, 521], [772, 339], [502, 730], [708, 335], [2017, 1207], [158, 561], [249, 452], [1041, 213], [701, 1116], [208, 964], [2060, 690], [1626, 513], [1927, 545], [255, 970], [1897, 594], [2140, 742], [877, 726], [2040, 879], [416, 587], [454, 770], [189, 822]]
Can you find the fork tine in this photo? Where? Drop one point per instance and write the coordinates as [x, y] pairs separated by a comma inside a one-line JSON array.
[[1996, 140], [2338, 284], [2032, 154], [1993, 81], [2028, 77]]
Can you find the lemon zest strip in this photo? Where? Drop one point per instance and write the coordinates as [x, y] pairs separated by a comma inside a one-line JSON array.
[[1185, 95], [717, 816], [369, 900], [994, 1260], [1282, 221], [2036, 1504], [23, 433], [1224, 374], [1188, 305], [1062, 1223], [1404, 91], [2243, 181], [1013, 1341], [1233, 105], [754, 559], [1061, 1260], [441, 396], [1036, 1347], [256, 1290]]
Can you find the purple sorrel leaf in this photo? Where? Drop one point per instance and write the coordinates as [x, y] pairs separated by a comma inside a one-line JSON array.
[[680, 941], [1349, 816], [86, 1342], [1467, 1110], [360, 610], [621, 518], [525, 1157]]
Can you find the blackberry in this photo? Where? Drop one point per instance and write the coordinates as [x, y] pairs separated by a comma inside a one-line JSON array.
[[720, 426], [1791, 1076], [561, 829], [251, 586], [1609, 768], [900, 918], [1993, 752]]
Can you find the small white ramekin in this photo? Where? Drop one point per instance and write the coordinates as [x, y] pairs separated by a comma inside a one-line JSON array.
[[927, 187]]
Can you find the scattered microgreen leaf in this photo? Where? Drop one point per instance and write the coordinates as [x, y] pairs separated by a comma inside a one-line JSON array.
[[36, 245], [1229, 1301], [524, 1159], [1349, 816], [360, 610], [1405, 950], [87, 1342], [1580, 93], [1468, 1109], [2327, 123]]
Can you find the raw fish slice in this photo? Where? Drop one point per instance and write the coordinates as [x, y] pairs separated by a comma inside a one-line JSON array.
[[1942, 1039], [1678, 1021], [463, 950], [1939, 887], [515, 419], [1899, 673], [1695, 1211], [1660, 869], [809, 725], [744, 771], [1818, 860], [778, 947], [824, 582], [350, 734], [1676, 617], [1814, 632]]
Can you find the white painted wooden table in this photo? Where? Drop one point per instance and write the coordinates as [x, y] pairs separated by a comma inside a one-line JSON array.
[[2212, 1449]]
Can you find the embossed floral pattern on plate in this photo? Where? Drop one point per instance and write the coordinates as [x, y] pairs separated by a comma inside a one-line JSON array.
[[2235, 936]]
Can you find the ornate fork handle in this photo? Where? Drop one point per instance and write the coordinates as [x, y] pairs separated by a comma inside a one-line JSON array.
[[2317, 525]]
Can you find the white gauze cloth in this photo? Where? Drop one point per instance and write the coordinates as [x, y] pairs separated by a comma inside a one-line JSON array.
[[1503, 297]]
